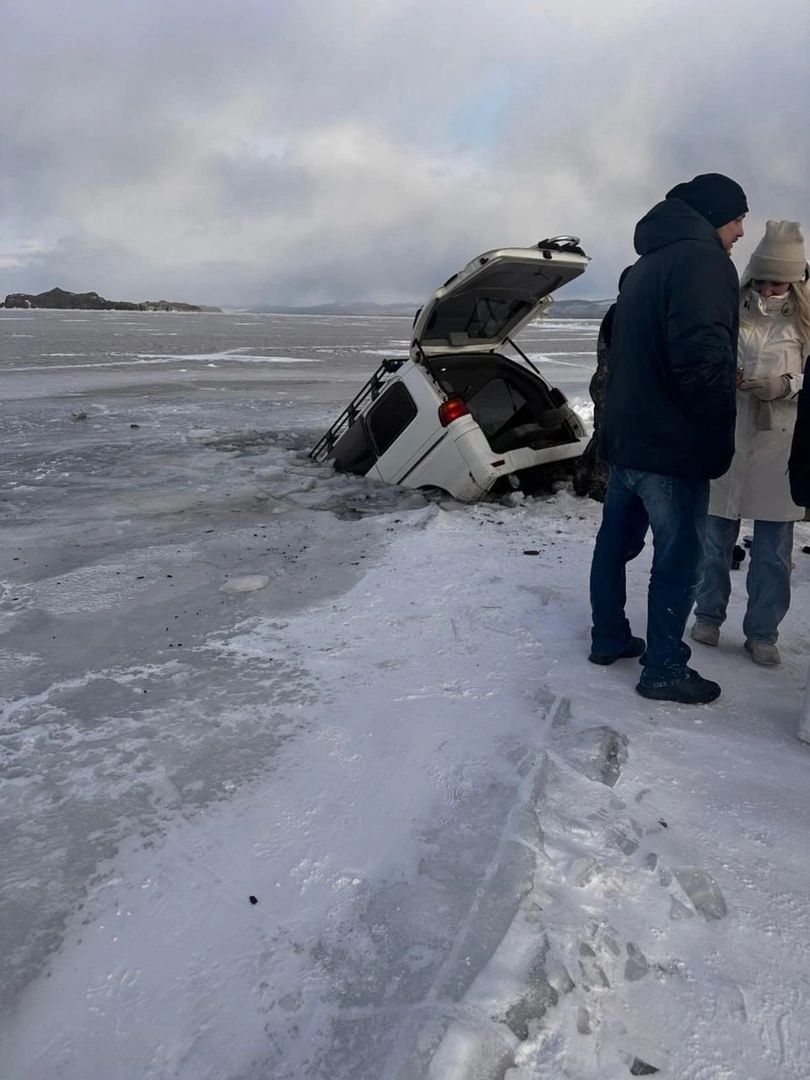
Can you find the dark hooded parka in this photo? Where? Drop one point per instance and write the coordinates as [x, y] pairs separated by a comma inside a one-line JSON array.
[[670, 404], [799, 465]]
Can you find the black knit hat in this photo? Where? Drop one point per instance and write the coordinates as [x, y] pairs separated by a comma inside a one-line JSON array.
[[714, 196]]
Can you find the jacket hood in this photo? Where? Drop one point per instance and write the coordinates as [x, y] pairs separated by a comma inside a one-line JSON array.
[[669, 222]]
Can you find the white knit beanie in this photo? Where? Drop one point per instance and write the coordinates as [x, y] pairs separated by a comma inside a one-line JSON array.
[[780, 255]]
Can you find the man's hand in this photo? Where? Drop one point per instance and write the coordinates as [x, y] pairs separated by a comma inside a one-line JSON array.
[[768, 389]]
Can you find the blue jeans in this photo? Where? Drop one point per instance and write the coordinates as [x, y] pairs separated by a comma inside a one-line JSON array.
[[768, 580], [675, 509]]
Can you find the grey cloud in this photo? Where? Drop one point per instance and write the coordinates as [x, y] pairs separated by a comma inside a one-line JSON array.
[[254, 185], [309, 152]]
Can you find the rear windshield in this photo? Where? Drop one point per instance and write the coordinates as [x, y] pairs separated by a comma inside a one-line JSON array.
[[498, 298], [474, 317]]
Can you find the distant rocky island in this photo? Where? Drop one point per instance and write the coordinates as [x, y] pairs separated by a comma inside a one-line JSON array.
[[91, 301]]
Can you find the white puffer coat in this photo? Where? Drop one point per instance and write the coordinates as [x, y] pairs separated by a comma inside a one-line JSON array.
[[756, 485]]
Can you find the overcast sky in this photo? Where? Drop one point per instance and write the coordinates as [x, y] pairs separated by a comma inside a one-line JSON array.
[[308, 151]]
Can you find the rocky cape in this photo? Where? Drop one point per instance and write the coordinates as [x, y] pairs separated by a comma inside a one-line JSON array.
[[91, 301]]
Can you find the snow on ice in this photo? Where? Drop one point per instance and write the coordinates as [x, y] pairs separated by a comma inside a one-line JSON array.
[[307, 777]]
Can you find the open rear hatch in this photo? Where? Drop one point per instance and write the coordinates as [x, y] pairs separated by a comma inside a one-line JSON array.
[[477, 309]]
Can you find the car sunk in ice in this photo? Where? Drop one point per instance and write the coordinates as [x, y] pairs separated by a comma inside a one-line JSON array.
[[458, 414]]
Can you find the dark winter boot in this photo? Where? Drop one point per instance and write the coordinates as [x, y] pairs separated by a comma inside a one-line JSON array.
[[691, 689], [634, 647]]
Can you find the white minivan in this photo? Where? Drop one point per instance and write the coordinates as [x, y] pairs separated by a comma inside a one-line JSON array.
[[458, 415]]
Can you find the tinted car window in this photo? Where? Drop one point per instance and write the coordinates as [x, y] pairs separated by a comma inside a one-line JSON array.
[[389, 417], [475, 318], [353, 451], [500, 296]]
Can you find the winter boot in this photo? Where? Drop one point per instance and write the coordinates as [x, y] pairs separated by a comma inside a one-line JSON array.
[[705, 632], [691, 689], [763, 652], [634, 647]]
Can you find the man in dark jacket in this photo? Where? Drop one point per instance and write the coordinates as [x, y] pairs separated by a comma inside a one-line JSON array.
[[799, 464], [668, 425], [799, 473]]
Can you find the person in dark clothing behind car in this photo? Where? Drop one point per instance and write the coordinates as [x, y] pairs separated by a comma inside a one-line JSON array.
[[668, 425], [590, 471], [799, 475], [799, 463]]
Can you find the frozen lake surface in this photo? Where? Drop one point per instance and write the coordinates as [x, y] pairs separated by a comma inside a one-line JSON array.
[[305, 776]]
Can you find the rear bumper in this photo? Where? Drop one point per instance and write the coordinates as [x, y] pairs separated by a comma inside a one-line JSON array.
[[465, 465], [480, 456]]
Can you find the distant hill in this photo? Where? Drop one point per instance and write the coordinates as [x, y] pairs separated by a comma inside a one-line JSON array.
[[358, 307], [579, 309], [560, 309], [91, 301]]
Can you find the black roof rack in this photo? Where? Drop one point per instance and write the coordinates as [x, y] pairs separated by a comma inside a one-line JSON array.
[[324, 446]]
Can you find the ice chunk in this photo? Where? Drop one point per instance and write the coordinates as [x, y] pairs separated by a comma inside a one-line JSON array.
[[248, 583], [703, 891], [597, 753], [583, 1021], [637, 964], [592, 974], [678, 911]]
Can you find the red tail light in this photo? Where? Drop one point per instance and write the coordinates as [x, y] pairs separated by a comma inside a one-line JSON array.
[[451, 410]]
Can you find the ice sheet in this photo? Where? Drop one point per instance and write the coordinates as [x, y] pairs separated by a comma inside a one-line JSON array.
[[309, 777]]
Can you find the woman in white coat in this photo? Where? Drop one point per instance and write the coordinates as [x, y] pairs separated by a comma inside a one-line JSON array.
[[774, 339]]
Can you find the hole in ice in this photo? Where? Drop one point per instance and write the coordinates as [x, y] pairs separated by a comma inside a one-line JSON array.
[[641, 1068]]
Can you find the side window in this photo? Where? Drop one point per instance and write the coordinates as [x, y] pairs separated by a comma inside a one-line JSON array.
[[353, 451], [389, 416]]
